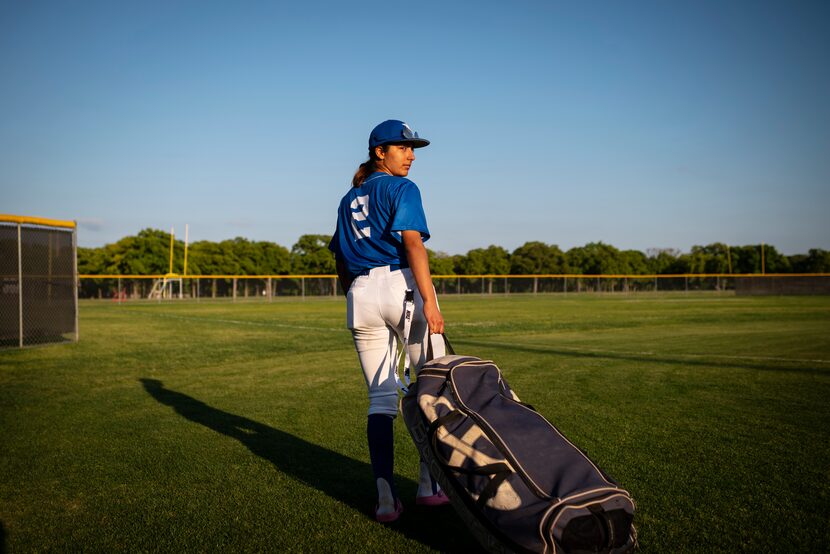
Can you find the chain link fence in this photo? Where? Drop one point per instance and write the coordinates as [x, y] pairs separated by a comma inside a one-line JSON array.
[[38, 294], [202, 287], [242, 288], [537, 284]]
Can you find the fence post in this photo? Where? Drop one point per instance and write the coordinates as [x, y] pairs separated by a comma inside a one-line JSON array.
[[20, 284], [76, 282], [119, 290], [270, 292], [50, 236], [686, 279], [234, 289], [655, 283], [506, 286], [302, 284], [334, 286], [458, 285]]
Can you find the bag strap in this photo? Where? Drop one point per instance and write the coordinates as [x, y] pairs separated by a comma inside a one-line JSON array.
[[408, 314]]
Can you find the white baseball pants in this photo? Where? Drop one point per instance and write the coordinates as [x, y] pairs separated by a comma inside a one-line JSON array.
[[375, 316]]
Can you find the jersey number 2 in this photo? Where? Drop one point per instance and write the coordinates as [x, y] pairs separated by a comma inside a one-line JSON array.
[[360, 212]]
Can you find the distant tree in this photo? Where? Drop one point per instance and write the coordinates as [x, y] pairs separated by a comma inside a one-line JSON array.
[[818, 261], [633, 262], [595, 258], [815, 261], [712, 258], [667, 261], [210, 258], [798, 262], [441, 263], [537, 258], [148, 253], [311, 256], [225, 258], [144, 254], [91, 260], [481, 261], [747, 259], [682, 265], [244, 254], [274, 259], [774, 261]]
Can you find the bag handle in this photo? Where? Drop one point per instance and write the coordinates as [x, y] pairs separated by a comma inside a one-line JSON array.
[[448, 349]]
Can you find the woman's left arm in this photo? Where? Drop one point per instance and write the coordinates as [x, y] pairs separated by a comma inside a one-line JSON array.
[[343, 275], [416, 255]]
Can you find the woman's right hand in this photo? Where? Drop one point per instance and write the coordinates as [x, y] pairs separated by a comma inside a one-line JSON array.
[[435, 320], [416, 254]]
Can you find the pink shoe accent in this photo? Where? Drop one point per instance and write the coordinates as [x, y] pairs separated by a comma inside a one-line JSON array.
[[391, 516], [438, 499]]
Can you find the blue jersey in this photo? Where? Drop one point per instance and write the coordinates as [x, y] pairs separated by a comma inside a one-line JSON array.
[[370, 220]]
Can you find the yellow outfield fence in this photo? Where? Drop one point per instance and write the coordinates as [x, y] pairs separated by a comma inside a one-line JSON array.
[[40, 221], [236, 287]]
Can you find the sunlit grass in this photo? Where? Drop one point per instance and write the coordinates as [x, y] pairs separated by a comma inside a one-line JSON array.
[[241, 427]]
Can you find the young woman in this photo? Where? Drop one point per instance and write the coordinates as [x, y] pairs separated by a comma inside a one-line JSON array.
[[380, 253]]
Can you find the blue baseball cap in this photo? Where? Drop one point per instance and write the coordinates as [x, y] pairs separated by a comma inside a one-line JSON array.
[[393, 131]]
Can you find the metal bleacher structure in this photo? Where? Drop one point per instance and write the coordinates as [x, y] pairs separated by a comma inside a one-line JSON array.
[[39, 288]]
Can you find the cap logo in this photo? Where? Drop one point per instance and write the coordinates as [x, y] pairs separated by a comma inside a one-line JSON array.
[[392, 131]]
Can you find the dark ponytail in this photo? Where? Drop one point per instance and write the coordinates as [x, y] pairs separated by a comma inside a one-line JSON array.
[[366, 168]]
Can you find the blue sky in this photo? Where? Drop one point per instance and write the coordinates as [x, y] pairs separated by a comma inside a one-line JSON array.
[[639, 124]]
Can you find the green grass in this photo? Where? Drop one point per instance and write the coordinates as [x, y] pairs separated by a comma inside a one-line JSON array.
[[241, 427]]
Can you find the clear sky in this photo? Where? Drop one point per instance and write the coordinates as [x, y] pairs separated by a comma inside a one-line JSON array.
[[639, 124]]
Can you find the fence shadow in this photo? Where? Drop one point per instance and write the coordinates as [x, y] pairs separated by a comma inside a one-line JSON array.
[[340, 477]]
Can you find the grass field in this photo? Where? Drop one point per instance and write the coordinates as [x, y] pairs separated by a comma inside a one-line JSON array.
[[241, 427]]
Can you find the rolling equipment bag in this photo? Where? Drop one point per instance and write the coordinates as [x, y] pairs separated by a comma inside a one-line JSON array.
[[514, 479]]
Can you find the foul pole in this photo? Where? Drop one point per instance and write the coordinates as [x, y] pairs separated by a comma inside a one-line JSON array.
[[172, 231], [184, 271]]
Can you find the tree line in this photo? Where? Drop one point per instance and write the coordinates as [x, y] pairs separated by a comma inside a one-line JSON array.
[[148, 253]]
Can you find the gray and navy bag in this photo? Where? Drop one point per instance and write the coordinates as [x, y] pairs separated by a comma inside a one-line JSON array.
[[515, 480]]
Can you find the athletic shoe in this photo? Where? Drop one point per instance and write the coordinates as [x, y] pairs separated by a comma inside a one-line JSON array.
[[391, 516], [437, 499]]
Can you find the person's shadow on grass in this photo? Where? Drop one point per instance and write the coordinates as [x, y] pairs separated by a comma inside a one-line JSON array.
[[340, 477]]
